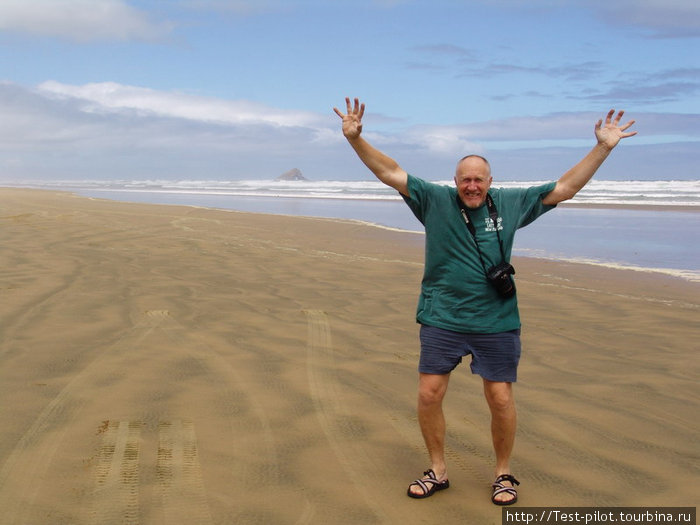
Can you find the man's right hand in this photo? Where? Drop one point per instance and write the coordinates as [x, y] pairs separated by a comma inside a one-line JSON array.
[[384, 168], [352, 120]]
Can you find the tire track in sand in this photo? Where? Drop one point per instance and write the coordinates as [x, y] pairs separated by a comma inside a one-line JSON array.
[[116, 494], [338, 423], [180, 474], [28, 462]]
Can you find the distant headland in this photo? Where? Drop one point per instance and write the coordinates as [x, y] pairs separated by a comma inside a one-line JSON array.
[[293, 174]]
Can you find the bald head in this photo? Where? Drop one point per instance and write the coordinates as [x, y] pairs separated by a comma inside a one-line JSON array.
[[474, 159], [473, 180]]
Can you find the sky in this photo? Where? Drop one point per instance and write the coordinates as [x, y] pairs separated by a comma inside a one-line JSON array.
[[245, 89]]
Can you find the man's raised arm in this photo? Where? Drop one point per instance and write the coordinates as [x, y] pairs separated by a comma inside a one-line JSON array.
[[608, 137], [384, 168]]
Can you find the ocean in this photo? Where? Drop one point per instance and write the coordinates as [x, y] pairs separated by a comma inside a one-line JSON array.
[[640, 225]]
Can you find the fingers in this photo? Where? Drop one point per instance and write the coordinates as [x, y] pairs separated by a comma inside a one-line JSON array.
[[626, 126], [619, 116], [608, 119], [348, 109], [616, 122], [628, 133], [614, 125], [609, 116], [356, 110]]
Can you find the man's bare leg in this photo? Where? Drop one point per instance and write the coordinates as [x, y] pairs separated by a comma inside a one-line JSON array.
[[431, 392], [499, 397]]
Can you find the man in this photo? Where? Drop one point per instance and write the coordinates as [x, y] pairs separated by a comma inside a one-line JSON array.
[[469, 235]]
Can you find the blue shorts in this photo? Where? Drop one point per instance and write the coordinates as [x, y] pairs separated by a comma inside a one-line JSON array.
[[495, 357]]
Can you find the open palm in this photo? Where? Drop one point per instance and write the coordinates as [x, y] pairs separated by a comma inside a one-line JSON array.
[[352, 120], [611, 133]]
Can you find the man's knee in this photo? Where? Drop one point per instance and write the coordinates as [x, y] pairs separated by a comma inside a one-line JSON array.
[[499, 395], [432, 388]]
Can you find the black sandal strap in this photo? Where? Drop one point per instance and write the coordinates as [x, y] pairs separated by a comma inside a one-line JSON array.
[[506, 477], [422, 483]]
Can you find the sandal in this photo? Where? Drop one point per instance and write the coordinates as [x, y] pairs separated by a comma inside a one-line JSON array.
[[500, 488], [428, 485]]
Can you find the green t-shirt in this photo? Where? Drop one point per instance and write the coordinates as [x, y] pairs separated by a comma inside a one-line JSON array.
[[455, 294]]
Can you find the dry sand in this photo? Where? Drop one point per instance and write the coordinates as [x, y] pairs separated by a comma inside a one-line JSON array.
[[164, 364]]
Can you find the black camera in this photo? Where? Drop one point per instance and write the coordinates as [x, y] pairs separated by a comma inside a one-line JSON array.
[[500, 277]]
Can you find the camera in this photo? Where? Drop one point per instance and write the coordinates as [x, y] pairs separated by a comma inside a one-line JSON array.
[[500, 277]]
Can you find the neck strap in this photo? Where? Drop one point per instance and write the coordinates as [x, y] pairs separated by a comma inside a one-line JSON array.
[[493, 215]]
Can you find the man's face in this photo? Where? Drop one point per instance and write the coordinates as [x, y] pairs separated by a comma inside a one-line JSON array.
[[473, 180]]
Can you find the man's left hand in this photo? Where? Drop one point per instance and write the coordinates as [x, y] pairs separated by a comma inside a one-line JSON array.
[[611, 133]]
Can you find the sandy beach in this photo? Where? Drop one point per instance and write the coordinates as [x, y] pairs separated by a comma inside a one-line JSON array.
[[169, 364]]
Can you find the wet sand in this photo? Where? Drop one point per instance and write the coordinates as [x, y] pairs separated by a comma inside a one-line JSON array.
[[167, 364]]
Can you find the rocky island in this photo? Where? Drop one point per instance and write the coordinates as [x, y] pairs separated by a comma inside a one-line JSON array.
[[293, 174]]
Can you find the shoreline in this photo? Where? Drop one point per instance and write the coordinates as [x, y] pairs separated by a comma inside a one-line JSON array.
[[150, 351], [642, 207], [688, 275], [688, 279], [685, 274], [303, 196]]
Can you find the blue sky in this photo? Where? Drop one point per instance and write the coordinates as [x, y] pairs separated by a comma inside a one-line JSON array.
[[244, 89]]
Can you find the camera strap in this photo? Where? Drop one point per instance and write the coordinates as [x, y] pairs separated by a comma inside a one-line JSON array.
[[493, 215]]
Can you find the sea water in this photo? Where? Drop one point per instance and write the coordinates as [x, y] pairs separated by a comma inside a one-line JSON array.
[[663, 235]]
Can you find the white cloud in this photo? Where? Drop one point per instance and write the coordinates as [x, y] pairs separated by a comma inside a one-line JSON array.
[[80, 20], [110, 130], [110, 97], [475, 137], [447, 140], [113, 131]]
